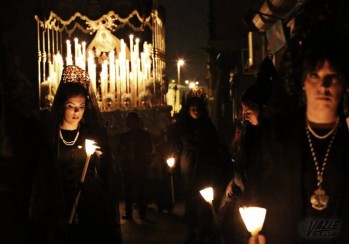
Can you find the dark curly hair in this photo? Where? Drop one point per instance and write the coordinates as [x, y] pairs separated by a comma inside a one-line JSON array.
[[321, 33]]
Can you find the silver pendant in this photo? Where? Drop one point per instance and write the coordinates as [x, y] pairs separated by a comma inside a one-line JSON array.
[[319, 199]]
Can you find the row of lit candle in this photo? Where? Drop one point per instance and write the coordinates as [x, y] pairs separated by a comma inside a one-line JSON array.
[[120, 73]]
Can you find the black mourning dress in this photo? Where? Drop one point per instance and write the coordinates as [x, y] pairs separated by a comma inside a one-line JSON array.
[[60, 166], [58, 183]]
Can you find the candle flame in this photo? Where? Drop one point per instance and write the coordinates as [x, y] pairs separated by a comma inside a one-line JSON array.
[[207, 194], [170, 162], [253, 218], [90, 146]]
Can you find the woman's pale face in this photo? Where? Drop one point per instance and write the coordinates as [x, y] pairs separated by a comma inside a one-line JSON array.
[[194, 112], [249, 114], [74, 111], [323, 89]]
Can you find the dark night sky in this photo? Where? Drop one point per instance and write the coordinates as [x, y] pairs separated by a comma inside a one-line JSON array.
[[186, 30]]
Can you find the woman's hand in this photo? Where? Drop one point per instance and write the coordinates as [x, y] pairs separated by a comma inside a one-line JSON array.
[[98, 152], [234, 183]]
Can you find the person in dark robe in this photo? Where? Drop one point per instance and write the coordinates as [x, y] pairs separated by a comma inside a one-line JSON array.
[[202, 162]]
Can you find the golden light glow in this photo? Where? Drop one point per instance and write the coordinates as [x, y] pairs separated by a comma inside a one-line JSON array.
[[253, 218], [122, 72], [192, 85], [207, 194], [180, 62], [90, 146], [170, 162], [250, 49]]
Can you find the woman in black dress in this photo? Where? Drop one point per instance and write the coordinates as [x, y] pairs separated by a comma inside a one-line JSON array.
[[75, 117]]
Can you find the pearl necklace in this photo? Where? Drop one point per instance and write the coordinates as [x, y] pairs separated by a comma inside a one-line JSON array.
[[324, 136], [319, 199], [68, 143]]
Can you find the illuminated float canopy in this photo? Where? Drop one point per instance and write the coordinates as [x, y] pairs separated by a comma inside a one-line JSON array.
[[126, 73]]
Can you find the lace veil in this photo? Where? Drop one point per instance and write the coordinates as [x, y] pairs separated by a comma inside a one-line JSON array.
[[71, 76]]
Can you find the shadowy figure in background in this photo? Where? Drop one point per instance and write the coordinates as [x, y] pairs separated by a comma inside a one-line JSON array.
[[135, 150], [203, 162], [257, 107], [259, 101], [74, 117], [266, 80], [245, 145], [160, 172], [253, 118]]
